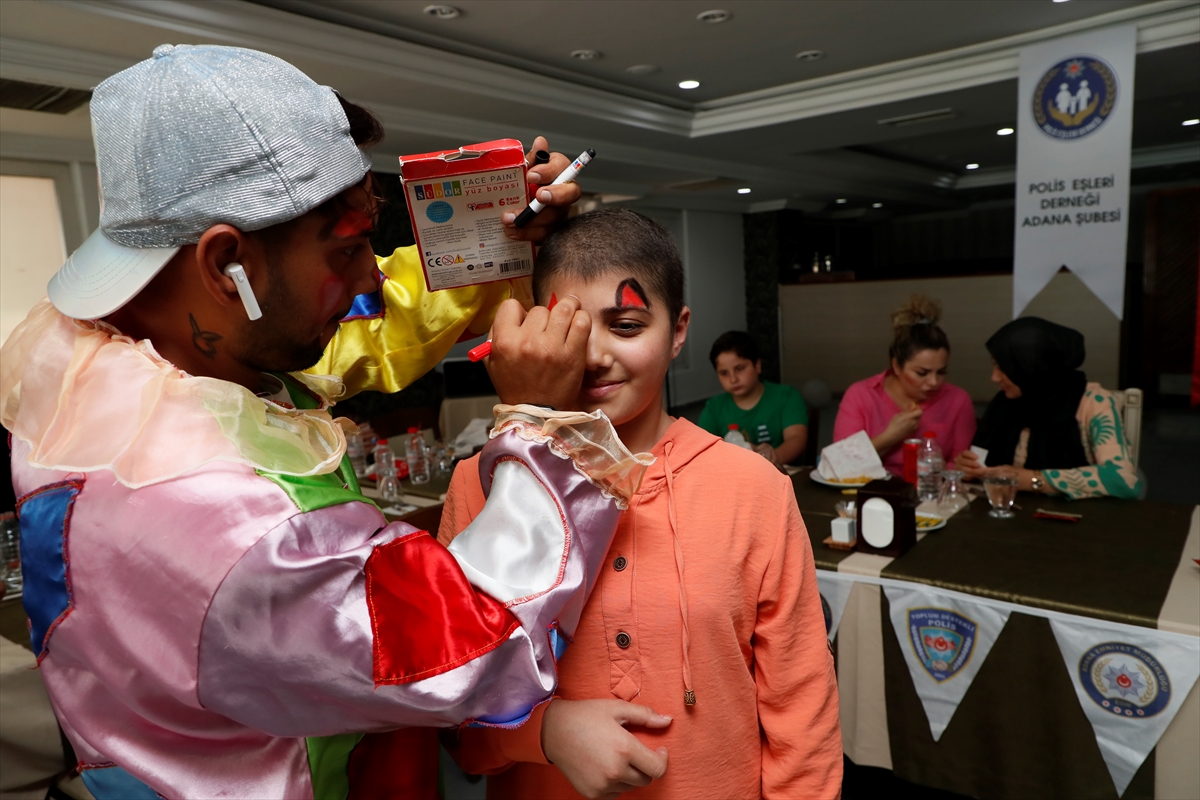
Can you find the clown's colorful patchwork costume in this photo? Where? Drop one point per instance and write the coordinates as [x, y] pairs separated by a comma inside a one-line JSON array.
[[218, 612]]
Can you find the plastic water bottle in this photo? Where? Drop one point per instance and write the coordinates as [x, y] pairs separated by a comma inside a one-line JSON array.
[[734, 436], [389, 485], [384, 459], [930, 464], [414, 453], [356, 453]]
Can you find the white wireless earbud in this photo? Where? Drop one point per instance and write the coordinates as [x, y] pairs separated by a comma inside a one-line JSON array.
[[238, 274]]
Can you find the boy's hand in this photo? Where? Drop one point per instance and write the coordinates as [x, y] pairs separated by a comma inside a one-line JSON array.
[[587, 741], [558, 199], [539, 357], [766, 451]]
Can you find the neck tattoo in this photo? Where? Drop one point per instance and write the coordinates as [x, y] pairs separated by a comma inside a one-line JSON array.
[[203, 341]]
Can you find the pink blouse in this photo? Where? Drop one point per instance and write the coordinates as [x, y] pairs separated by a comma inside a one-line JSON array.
[[867, 406]]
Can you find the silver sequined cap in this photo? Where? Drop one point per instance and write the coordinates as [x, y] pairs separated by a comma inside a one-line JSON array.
[[193, 137]]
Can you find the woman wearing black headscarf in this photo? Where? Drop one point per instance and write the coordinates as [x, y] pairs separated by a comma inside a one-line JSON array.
[[1048, 426]]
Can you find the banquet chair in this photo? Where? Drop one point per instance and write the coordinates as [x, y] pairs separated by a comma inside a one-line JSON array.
[[1131, 421]]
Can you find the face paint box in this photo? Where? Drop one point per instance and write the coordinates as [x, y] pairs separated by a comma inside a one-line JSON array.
[[456, 199]]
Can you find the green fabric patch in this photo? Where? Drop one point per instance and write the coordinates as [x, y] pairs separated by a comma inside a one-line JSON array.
[[1053, 473], [328, 764], [316, 491], [311, 492], [302, 397]]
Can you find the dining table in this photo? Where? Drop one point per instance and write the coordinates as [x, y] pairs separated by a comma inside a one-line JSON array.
[[1019, 731]]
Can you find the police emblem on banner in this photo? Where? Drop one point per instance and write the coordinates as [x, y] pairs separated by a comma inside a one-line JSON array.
[[943, 640], [1125, 679], [1074, 97]]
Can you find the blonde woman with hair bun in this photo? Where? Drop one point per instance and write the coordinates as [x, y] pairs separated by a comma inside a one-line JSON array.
[[911, 396]]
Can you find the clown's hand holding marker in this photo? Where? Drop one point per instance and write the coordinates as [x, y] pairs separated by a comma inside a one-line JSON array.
[[537, 210], [556, 197], [539, 357]]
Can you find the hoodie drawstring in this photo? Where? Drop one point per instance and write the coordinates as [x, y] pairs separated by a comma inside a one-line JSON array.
[[689, 696]]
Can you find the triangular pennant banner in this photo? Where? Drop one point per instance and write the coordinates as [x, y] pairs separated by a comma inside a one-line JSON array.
[[1130, 685], [945, 639], [835, 591]]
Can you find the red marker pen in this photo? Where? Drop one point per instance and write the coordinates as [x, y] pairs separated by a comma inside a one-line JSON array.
[[484, 350]]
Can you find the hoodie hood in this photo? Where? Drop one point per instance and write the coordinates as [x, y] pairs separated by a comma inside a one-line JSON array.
[[686, 441]]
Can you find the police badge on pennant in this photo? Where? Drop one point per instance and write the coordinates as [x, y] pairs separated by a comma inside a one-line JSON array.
[[942, 640], [1125, 680], [1075, 97], [949, 637], [1130, 681]]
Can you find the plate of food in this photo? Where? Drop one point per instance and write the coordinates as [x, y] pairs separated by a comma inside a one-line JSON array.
[[840, 483], [928, 522]]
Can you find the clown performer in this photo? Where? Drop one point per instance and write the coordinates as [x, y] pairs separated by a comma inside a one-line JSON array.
[[216, 610]]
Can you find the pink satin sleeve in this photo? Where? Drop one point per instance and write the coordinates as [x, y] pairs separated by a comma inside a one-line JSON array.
[[335, 622]]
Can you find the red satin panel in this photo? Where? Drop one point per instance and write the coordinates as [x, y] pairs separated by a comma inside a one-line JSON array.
[[397, 765], [427, 619]]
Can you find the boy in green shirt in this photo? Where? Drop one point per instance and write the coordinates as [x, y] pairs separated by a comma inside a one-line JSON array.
[[772, 417]]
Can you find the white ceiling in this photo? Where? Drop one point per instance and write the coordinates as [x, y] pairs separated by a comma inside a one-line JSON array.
[[761, 118], [754, 49]]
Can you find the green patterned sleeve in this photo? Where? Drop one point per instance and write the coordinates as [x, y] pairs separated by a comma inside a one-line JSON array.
[[1113, 474]]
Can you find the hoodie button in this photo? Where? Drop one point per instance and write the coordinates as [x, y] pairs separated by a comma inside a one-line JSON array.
[[619, 563], [623, 640]]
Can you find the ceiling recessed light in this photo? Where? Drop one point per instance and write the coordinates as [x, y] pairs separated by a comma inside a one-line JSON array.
[[972, 166], [841, 201], [442, 12], [1060, 1], [689, 84], [876, 205], [714, 16], [1005, 132], [744, 190], [642, 69], [585, 55], [809, 55], [1189, 122]]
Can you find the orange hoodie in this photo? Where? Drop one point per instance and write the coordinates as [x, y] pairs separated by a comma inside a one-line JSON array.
[[710, 586]]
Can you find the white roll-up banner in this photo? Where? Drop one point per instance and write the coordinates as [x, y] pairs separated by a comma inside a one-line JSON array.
[[1074, 123]]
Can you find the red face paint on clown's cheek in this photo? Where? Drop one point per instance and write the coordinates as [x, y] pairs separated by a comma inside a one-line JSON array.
[[353, 223]]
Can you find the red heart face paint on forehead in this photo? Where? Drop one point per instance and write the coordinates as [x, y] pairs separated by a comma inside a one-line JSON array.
[[631, 295], [353, 223]]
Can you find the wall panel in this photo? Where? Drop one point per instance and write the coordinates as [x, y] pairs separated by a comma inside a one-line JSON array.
[[839, 333]]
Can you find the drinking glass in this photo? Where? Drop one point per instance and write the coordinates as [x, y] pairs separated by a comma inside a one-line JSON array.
[[953, 496], [1001, 493]]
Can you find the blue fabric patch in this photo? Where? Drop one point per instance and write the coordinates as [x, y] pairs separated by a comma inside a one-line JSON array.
[[114, 783], [558, 644], [45, 517], [369, 305], [500, 722]]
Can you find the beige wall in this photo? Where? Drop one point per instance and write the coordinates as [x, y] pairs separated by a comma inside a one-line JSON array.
[[31, 245], [839, 333]]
